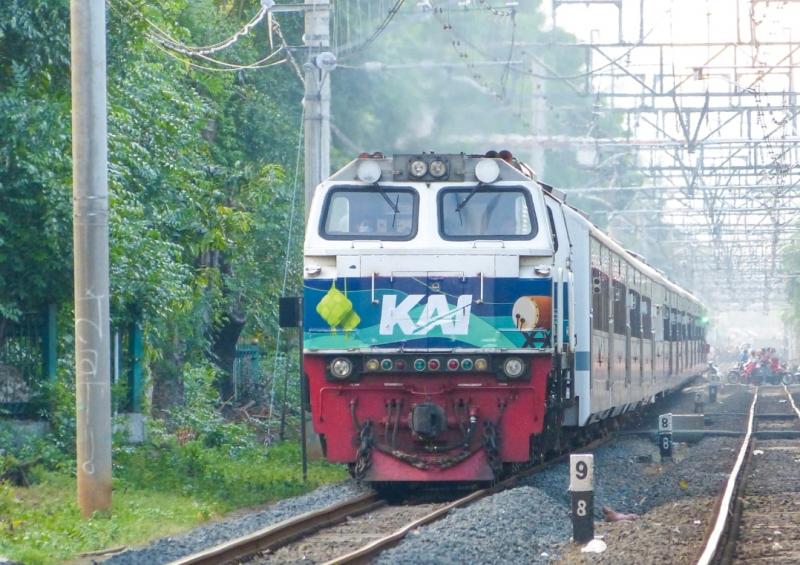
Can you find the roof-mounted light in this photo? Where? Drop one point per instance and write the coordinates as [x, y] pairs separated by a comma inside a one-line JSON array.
[[438, 168], [487, 171], [417, 168], [368, 171]]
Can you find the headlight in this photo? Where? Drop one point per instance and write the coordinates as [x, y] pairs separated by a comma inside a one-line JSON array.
[[368, 171], [438, 169], [417, 168], [513, 367], [487, 171], [341, 368]]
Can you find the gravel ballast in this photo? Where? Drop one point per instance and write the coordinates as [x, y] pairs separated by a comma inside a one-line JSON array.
[[498, 529], [530, 524], [169, 549]]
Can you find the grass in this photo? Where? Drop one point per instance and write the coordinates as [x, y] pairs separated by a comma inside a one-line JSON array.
[[158, 491]]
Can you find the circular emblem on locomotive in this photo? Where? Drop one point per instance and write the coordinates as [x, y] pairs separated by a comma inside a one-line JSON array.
[[525, 313]]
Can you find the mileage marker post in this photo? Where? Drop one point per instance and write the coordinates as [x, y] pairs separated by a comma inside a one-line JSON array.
[[581, 488], [665, 436]]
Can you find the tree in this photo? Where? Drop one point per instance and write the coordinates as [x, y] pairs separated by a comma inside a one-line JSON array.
[[199, 198]]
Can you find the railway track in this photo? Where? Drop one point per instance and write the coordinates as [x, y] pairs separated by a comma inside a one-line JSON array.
[[353, 531], [758, 518]]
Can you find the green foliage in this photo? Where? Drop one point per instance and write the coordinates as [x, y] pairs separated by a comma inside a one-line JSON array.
[[158, 491]]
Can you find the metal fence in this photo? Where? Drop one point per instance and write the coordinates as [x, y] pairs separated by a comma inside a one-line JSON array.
[[26, 356], [249, 378]]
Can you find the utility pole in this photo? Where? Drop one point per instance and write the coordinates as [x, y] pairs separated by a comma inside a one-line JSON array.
[[317, 100], [90, 237]]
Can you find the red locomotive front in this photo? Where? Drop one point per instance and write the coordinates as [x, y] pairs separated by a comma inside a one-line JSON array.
[[429, 318]]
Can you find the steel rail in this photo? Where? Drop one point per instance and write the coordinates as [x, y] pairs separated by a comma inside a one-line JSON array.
[[712, 546], [368, 552], [282, 533], [717, 547], [292, 529]]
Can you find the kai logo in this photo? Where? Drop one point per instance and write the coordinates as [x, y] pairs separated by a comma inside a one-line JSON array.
[[435, 313]]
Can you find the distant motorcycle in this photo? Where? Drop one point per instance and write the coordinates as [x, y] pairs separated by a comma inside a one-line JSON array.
[[759, 374], [735, 374]]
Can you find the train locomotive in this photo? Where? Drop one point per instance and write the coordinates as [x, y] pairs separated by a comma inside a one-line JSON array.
[[460, 318]]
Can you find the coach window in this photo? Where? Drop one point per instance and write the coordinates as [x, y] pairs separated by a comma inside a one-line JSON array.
[[635, 309], [647, 320], [370, 213], [620, 315], [552, 221], [674, 319], [667, 330], [486, 213], [599, 300]]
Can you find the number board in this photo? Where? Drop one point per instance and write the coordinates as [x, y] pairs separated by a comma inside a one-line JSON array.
[[665, 423], [581, 472]]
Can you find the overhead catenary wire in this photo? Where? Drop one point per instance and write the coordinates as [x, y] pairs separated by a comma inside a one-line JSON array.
[[349, 50], [286, 267]]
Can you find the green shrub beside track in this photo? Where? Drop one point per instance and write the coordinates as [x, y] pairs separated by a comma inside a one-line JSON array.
[[159, 490]]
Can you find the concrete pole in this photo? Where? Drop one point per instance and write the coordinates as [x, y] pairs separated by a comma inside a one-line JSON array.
[[317, 98], [90, 236], [317, 136]]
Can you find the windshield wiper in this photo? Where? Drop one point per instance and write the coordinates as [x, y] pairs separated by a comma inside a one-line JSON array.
[[392, 205], [467, 199]]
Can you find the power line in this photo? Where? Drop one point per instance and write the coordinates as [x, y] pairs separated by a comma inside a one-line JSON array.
[[349, 50], [171, 46]]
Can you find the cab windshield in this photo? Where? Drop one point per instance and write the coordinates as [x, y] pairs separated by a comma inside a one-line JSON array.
[[370, 213], [486, 213]]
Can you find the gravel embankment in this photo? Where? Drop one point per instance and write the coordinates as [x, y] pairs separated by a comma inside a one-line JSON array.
[[770, 527], [520, 525], [769, 531], [530, 524], [669, 534], [168, 549]]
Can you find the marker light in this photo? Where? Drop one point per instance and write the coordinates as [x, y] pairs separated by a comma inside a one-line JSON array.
[[419, 365], [368, 171], [487, 171], [387, 364], [453, 364], [341, 368], [513, 367], [481, 364], [434, 364], [372, 365], [418, 168], [466, 364], [438, 169], [400, 365]]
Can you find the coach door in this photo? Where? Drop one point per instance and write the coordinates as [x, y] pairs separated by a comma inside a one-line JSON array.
[[600, 349]]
